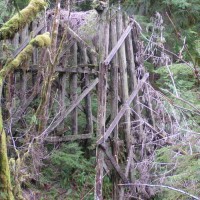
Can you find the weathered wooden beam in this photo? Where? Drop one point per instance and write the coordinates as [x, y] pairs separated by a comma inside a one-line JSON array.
[[119, 43], [122, 110], [66, 138]]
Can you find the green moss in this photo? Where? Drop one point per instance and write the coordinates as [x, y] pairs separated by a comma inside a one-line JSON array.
[[19, 21], [5, 181], [39, 41]]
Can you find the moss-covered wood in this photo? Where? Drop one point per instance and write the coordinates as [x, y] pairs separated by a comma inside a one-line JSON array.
[[18, 21], [5, 183], [39, 41]]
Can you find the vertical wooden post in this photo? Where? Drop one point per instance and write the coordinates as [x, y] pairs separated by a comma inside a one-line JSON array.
[[101, 119], [62, 83], [23, 76], [35, 52], [73, 92], [124, 80], [88, 103], [35, 55], [15, 41], [63, 88], [114, 101], [130, 58], [132, 85], [102, 96], [23, 79], [138, 63], [24, 34]]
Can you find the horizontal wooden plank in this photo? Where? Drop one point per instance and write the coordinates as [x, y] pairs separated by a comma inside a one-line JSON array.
[[82, 70], [66, 138]]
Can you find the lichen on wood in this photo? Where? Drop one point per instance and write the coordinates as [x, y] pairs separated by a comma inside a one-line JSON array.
[[18, 21]]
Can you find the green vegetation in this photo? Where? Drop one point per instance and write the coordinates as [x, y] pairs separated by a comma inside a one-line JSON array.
[[176, 165], [67, 170]]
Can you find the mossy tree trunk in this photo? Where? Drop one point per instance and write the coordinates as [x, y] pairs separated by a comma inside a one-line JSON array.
[[5, 180], [42, 111]]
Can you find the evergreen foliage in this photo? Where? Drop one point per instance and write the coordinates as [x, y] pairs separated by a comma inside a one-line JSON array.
[[68, 168], [69, 171], [181, 20], [176, 165]]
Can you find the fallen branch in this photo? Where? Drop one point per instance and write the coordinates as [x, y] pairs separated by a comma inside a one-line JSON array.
[[164, 186]]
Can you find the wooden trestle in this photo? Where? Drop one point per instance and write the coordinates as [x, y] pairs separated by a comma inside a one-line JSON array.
[[79, 73]]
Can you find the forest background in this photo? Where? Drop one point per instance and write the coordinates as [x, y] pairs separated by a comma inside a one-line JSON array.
[[177, 164]]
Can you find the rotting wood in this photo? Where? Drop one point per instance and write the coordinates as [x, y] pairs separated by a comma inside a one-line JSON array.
[[63, 88], [62, 94], [127, 170], [122, 110]]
